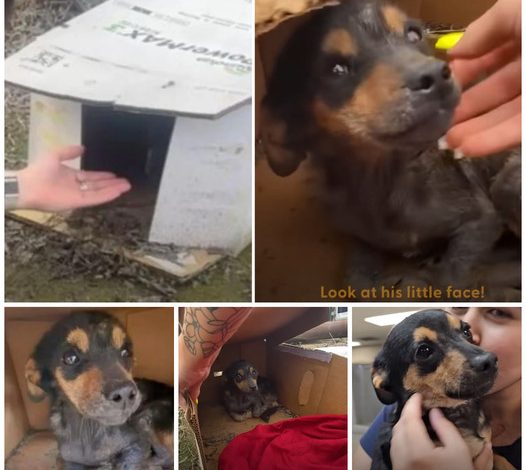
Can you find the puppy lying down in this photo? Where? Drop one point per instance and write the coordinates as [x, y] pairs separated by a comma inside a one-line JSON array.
[[246, 394]]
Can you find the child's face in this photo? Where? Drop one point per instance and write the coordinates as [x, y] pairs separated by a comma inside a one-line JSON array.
[[498, 330]]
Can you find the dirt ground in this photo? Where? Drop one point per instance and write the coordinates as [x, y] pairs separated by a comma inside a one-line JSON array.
[[42, 265]]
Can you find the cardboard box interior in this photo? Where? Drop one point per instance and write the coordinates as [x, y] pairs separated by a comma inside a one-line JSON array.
[[297, 250], [307, 382], [28, 441]]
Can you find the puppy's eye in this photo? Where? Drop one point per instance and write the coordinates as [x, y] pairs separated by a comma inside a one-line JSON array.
[[125, 353], [238, 378], [70, 358], [466, 331], [340, 69], [414, 34], [424, 351], [254, 373]]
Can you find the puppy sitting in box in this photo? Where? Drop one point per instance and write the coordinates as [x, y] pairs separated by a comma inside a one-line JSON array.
[[246, 394]]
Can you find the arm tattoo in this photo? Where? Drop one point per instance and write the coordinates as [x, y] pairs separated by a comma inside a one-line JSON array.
[[205, 330]]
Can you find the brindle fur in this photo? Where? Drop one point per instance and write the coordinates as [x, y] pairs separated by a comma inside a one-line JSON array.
[[384, 180], [246, 394], [108, 430]]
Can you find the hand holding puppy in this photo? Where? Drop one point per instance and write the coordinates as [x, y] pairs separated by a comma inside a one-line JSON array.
[[412, 448]]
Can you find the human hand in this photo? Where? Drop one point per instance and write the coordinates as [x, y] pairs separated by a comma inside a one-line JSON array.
[[413, 449], [488, 118], [47, 184]]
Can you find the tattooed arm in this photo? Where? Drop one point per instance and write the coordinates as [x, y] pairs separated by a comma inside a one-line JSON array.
[[203, 333]]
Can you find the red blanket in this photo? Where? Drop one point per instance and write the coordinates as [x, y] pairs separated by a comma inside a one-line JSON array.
[[307, 443]]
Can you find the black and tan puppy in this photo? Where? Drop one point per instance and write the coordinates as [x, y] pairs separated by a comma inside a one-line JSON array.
[[246, 394], [431, 353], [355, 90], [99, 413]]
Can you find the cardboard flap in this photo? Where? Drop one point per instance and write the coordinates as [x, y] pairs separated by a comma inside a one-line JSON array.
[[188, 57], [270, 13]]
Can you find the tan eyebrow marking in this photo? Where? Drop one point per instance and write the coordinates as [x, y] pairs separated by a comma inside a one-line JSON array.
[[78, 338], [454, 322], [340, 41], [118, 336], [394, 18], [422, 333]]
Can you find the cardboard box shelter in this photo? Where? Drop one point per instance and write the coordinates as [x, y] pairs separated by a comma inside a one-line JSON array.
[[28, 441], [309, 382], [159, 91], [297, 250]]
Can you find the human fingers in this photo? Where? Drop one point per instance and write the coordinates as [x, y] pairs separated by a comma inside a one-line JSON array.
[[461, 131], [83, 175], [99, 185], [484, 461], [466, 71], [411, 417], [101, 196], [503, 136], [445, 430], [499, 88], [500, 23], [68, 153]]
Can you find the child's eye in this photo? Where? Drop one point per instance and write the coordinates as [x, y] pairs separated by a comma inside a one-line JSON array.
[[498, 314]]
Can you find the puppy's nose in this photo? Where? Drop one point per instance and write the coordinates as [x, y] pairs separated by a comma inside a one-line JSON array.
[[484, 362], [121, 392], [253, 387], [429, 76]]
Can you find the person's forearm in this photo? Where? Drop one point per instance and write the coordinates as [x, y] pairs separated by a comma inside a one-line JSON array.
[[206, 330], [203, 334]]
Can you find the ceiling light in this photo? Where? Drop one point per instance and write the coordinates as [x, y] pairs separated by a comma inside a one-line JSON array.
[[389, 319]]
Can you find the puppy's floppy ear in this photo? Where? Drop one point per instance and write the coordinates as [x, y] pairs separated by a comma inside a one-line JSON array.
[[33, 377], [380, 379], [281, 157]]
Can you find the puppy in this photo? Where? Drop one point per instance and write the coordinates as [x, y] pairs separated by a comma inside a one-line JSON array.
[[100, 415], [431, 353], [355, 91], [246, 394]]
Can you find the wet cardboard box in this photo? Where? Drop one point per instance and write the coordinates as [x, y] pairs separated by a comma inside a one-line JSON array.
[[158, 92], [297, 250], [310, 380], [28, 441]]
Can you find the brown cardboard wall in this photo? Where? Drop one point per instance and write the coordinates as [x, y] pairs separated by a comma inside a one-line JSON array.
[[16, 423], [309, 386], [151, 333], [334, 398]]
